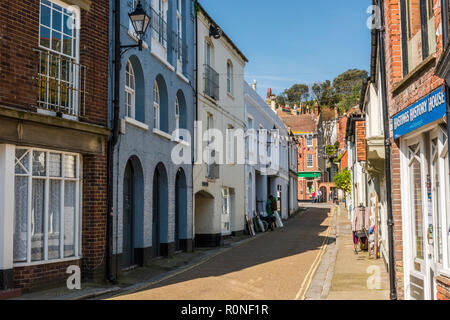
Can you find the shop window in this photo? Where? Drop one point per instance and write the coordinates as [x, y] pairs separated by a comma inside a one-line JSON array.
[[47, 197], [418, 29]]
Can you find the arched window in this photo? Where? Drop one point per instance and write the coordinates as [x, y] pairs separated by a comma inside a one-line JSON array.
[[156, 104], [177, 113], [130, 90]]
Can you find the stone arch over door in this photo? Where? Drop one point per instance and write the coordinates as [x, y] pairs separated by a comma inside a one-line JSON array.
[[133, 213], [181, 194], [160, 212], [205, 233], [327, 186]]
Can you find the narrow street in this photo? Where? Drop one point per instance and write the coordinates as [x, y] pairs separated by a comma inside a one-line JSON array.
[[278, 265]]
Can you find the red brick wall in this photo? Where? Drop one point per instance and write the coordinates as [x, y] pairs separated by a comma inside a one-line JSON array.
[[42, 276], [443, 288], [360, 132], [19, 32], [417, 87]]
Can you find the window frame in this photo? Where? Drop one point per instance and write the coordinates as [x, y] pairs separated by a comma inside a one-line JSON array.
[[308, 156], [424, 33], [77, 228], [177, 113], [230, 77], [156, 106], [312, 142], [129, 74]]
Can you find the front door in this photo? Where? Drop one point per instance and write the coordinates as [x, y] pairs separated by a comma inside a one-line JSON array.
[[128, 212]]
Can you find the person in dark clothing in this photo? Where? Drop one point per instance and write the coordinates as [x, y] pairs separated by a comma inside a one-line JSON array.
[[270, 218]]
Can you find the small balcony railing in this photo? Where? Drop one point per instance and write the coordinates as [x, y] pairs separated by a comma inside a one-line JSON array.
[[211, 82], [159, 28], [180, 48], [61, 84]]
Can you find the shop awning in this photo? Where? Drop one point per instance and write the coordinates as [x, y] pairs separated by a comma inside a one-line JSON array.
[[310, 174]]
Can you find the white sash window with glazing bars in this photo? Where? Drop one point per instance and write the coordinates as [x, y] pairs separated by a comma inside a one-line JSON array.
[[60, 78]]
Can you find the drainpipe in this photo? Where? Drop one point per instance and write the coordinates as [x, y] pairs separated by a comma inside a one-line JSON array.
[[112, 141], [445, 22], [196, 117], [387, 143]]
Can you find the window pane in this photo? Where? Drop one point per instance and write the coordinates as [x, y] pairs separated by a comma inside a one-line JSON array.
[[37, 220], [55, 165], [45, 37], [54, 216], [68, 25], [45, 15], [70, 166], [39, 163], [22, 167], [414, 33], [67, 45], [69, 218], [20, 219], [56, 41], [416, 193], [56, 21]]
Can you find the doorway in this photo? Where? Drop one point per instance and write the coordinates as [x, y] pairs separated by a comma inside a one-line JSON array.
[[180, 209]]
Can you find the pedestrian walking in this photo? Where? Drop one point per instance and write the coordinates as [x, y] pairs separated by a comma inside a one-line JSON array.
[[319, 196], [313, 197]]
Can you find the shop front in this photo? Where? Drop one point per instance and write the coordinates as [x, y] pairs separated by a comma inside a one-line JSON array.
[[421, 132]]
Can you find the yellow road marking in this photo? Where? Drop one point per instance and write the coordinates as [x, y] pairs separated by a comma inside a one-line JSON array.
[[301, 294]]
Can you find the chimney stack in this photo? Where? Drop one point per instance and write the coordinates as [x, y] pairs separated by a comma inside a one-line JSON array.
[[254, 85]]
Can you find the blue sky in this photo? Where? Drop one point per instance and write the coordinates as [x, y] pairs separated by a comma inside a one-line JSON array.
[[295, 41]]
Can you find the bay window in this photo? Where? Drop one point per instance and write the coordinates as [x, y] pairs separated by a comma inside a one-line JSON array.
[[47, 206]]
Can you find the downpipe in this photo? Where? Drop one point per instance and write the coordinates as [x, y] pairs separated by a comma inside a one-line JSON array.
[[387, 145]]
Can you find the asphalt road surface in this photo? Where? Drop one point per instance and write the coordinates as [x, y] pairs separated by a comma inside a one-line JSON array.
[[276, 265]]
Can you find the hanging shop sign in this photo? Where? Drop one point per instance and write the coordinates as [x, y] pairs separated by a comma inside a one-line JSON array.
[[428, 109]]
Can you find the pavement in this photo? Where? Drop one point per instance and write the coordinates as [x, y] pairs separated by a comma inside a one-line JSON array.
[[344, 275], [276, 265]]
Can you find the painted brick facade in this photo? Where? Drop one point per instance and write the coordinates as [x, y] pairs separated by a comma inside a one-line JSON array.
[[19, 37]]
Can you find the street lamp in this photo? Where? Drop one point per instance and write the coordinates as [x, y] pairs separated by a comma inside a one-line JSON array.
[[140, 20]]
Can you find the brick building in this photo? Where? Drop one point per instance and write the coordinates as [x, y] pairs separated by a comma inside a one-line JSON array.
[[53, 135], [304, 129], [420, 186]]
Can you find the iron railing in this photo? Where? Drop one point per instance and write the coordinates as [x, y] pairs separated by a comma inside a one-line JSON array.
[[211, 82], [61, 84], [159, 27]]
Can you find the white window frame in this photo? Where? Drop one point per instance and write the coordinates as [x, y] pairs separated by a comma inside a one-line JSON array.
[[177, 113], [130, 90], [308, 158], [73, 60], [156, 106], [226, 210], [78, 204], [308, 138], [179, 30], [229, 77]]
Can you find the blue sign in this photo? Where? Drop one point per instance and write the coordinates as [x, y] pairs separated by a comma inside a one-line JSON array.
[[428, 109]]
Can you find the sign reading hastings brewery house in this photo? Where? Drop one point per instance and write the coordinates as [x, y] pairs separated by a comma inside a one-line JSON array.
[[428, 109]]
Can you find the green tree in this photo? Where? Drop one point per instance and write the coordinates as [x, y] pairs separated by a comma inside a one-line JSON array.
[[342, 180], [344, 84], [324, 94], [349, 101], [297, 93]]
